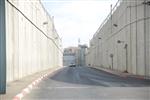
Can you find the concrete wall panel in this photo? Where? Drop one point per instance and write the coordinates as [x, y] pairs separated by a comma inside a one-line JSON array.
[[28, 49], [132, 29]]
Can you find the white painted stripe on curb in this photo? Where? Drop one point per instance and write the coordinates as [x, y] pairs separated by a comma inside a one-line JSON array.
[[18, 96], [26, 90], [37, 81], [30, 86], [34, 83]]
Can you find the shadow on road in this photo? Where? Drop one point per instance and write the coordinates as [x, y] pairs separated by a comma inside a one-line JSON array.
[[75, 75], [89, 76]]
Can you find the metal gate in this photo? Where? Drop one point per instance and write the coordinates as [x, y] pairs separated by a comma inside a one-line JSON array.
[[2, 48]]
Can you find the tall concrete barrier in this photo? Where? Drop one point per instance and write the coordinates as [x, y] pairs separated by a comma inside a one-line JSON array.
[[122, 41], [32, 42]]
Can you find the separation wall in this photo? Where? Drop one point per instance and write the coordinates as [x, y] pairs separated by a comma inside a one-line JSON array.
[[129, 24], [33, 44]]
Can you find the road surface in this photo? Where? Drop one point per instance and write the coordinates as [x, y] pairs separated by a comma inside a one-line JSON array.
[[83, 83]]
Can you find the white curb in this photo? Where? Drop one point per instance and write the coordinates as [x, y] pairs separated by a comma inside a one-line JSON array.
[[30, 86]]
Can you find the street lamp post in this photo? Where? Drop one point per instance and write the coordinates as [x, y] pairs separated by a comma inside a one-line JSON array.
[[126, 49], [111, 55], [98, 48]]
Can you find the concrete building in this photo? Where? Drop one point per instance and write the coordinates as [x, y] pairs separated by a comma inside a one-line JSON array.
[[29, 43], [69, 56], [122, 41], [74, 55], [81, 55]]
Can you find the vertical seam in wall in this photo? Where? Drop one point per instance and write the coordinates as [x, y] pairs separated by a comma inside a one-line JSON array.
[[136, 40], [145, 41], [130, 42], [126, 37]]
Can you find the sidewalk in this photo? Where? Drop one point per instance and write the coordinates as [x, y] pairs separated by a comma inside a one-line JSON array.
[[121, 74], [15, 87]]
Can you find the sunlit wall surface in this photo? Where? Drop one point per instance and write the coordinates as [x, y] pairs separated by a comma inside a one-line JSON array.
[[122, 41], [33, 44]]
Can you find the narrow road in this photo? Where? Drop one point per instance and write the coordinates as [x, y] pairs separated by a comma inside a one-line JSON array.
[[83, 83]]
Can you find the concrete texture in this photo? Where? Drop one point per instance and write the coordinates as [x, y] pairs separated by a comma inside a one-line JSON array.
[[129, 24], [83, 83], [33, 44]]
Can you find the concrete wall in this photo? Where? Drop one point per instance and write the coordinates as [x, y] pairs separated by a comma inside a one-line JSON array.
[[129, 24], [33, 44]]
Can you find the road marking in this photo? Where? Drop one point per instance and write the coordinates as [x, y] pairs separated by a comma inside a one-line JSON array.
[[33, 84]]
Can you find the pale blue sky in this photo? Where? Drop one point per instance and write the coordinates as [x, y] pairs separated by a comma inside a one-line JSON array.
[[77, 18]]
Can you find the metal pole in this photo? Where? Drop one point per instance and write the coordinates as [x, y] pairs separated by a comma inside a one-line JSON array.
[[99, 60], [111, 55], [2, 48], [126, 48], [112, 63]]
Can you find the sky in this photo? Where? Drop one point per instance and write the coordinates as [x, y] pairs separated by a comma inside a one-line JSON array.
[[77, 19]]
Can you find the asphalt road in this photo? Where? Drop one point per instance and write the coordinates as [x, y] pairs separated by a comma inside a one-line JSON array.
[[82, 83]]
